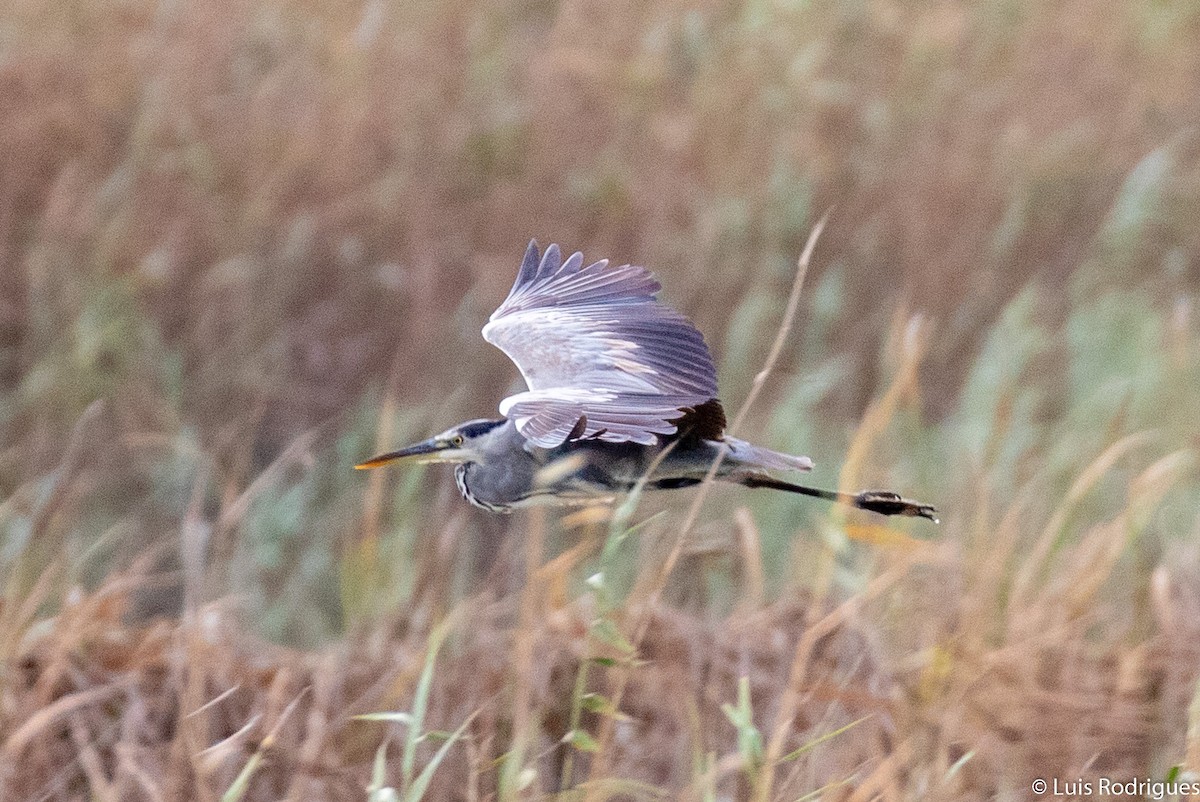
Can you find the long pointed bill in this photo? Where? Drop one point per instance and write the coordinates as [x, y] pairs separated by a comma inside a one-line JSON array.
[[432, 450]]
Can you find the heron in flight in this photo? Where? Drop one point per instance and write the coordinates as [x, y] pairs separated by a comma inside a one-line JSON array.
[[621, 388]]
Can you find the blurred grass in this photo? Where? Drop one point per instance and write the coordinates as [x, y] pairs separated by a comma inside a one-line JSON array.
[[244, 244]]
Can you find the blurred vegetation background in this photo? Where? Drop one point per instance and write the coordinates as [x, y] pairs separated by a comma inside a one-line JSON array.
[[246, 243]]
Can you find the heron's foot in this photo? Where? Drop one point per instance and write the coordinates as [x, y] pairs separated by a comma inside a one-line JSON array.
[[886, 502]]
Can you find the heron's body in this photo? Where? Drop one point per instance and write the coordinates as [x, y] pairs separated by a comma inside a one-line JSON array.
[[589, 472], [594, 470], [621, 388]]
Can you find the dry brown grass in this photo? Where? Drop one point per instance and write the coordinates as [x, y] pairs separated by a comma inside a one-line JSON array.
[[163, 712], [243, 241]]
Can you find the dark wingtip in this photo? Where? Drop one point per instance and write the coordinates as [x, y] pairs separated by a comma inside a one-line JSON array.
[[702, 422], [551, 260], [529, 264], [886, 502], [578, 430]]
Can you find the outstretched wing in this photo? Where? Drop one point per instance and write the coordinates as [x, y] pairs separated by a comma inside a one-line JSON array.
[[602, 358]]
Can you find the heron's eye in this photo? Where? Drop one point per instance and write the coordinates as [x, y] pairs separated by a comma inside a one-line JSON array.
[[456, 440]]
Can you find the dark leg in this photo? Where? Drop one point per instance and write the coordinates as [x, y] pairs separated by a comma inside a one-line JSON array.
[[883, 502], [675, 483]]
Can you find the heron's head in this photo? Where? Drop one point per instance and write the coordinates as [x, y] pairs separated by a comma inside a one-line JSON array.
[[457, 444]]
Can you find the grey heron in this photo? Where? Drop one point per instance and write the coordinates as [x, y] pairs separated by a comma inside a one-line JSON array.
[[620, 387]]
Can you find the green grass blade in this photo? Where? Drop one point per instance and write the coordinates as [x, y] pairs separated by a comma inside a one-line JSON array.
[[417, 790]]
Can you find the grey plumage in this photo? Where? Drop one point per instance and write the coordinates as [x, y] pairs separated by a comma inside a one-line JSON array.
[[595, 469], [593, 343], [615, 378]]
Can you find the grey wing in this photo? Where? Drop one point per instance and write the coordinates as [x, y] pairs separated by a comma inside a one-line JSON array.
[[602, 357]]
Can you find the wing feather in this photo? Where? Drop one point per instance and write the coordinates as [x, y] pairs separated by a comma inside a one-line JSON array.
[[594, 345]]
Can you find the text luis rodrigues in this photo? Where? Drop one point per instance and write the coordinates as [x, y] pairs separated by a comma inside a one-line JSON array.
[[1105, 787]]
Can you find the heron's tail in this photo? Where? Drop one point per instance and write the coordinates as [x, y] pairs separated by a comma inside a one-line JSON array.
[[883, 502], [758, 457]]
